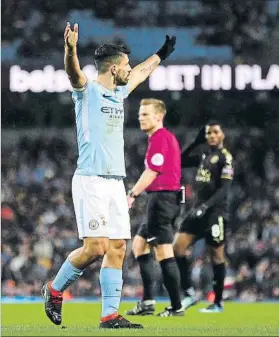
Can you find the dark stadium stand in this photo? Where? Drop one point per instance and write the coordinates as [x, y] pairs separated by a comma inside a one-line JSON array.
[[38, 225]]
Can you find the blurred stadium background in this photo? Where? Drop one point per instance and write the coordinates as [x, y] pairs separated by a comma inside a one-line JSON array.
[[225, 67]]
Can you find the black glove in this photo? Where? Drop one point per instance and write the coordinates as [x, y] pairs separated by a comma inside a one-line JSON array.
[[167, 48], [200, 139], [198, 212]]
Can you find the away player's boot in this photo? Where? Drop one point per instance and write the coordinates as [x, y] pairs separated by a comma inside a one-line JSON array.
[[142, 309], [190, 299], [188, 302], [169, 311], [213, 308], [53, 303], [119, 322]]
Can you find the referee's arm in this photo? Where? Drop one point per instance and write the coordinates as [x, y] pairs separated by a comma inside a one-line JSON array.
[[147, 177]]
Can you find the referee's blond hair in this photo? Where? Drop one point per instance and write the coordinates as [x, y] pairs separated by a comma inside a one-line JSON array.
[[158, 104]]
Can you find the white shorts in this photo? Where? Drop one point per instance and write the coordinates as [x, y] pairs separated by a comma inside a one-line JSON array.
[[101, 207]]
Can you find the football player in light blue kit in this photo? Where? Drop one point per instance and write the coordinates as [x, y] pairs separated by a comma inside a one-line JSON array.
[[98, 191]]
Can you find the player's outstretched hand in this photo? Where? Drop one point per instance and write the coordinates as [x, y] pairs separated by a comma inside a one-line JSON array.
[[200, 139], [167, 48], [71, 36]]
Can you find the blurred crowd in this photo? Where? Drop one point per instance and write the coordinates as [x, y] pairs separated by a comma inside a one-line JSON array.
[[37, 26], [33, 29], [39, 230], [38, 222], [245, 26]]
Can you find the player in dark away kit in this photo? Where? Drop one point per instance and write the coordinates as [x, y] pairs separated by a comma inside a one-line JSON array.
[[209, 216]]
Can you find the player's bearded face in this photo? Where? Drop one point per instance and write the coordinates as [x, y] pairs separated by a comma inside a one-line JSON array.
[[122, 77], [123, 70], [214, 135]]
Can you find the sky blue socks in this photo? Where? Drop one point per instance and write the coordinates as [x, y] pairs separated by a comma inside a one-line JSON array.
[[66, 275], [110, 280], [111, 287]]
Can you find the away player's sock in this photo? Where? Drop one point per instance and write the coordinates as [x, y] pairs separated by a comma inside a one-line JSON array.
[[171, 279], [111, 287], [219, 272], [146, 271], [66, 275], [186, 284]]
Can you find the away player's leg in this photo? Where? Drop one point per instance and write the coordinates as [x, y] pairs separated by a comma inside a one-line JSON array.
[[111, 279], [145, 260], [189, 230], [215, 238], [91, 210], [163, 207]]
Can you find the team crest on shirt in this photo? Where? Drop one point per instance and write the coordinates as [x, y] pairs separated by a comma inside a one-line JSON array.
[[214, 159], [93, 224], [157, 159]]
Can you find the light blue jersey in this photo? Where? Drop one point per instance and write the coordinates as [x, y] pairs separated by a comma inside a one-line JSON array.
[[99, 119]]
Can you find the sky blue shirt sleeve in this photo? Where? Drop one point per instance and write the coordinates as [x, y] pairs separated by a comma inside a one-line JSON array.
[[78, 93]]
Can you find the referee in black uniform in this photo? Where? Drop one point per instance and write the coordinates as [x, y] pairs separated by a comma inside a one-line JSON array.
[[161, 180]]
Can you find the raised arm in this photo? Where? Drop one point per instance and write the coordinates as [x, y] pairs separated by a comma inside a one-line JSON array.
[[188, 160], [71, 62], [143, 70]]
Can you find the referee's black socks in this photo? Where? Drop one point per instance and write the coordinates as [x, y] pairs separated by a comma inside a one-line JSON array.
[[219, 272], [171, 279], [147, 271]]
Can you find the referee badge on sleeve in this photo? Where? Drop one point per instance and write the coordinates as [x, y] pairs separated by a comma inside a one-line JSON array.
[[157, 159]]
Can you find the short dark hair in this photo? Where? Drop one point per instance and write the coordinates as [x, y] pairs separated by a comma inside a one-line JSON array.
[[214, 122], [109, 53]]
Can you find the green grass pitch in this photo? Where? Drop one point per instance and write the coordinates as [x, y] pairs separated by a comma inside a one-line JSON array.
[[238, 319]]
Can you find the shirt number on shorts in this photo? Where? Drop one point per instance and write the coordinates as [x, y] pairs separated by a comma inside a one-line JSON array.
[[217, 230]]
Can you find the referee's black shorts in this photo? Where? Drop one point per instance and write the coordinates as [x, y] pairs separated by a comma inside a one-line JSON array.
[[162, 209]]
